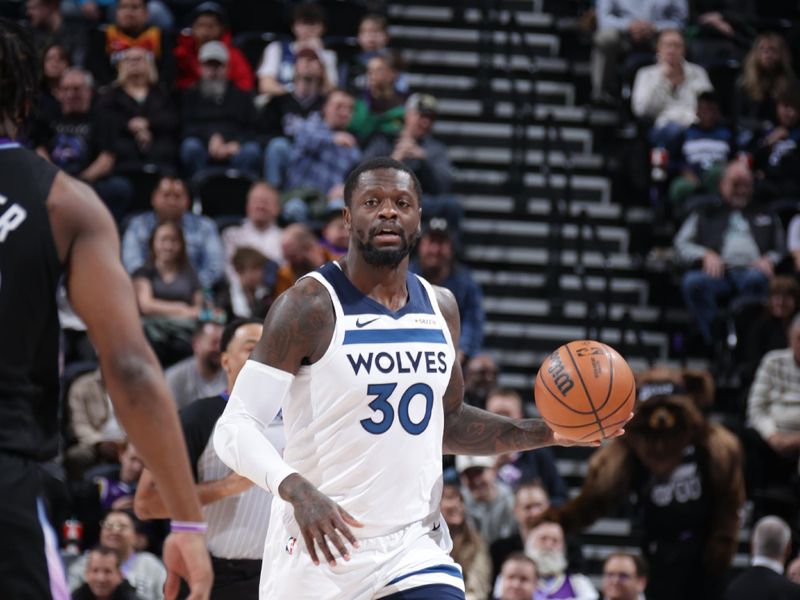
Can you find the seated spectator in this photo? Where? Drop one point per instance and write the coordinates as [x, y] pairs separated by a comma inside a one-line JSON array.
[[200, 375], [624, 577], [771, 546], [624, 26], [256, 276], [380, 108], [766, 72], [130, 29], [170, 202], [731, 248], [373, 40], [80, 142], [772, 444], [167, 286], [142, 116], [276, 72], [420, 151], [436, 262], [469, 550], [777, 157], [93, 423], [116, 492], [303, 253], [518, 578], [768, 331], [335, 238], [143, 570], [209, 24], [322, 155], [706, 148], [667, 91], [480, 378], [530, 502], [281, 117], [48, 27], [518, 468], [218, 120], [55, 62], [103, 578], [545, 545], [720, 31], [489, 502]]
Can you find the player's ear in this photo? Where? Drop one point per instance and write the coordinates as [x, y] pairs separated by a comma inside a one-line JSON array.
[[346, 215]]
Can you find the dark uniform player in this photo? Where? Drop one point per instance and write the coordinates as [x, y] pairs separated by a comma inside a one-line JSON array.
[[53, 226]]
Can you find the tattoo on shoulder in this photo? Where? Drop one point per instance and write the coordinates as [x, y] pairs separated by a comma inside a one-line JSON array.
[[299, 325]]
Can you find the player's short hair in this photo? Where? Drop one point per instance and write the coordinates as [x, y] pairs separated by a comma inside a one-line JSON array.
[[640, 564], [373, 164], [231, 329], [19, 72]]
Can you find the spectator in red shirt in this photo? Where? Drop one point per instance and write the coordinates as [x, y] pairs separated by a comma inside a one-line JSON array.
[[209, 24]]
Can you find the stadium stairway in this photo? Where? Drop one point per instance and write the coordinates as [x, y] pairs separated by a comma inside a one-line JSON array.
[[558, 256]]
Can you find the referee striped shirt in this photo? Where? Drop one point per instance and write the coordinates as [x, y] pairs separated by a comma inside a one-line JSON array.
[[237, 525]]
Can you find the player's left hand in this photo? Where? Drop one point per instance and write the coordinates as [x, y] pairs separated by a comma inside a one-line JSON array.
[[560, 440]]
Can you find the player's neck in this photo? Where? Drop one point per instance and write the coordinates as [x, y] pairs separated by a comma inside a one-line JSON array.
[[383, 284]]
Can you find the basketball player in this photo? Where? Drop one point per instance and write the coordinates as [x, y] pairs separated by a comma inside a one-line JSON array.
[[237, 511], [360, 356], [52, 226]]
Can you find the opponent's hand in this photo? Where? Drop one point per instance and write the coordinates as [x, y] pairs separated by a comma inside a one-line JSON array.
[[319, 518], [186, 557]]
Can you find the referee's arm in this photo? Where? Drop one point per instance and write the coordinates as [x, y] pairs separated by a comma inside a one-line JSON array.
[[148, 503]]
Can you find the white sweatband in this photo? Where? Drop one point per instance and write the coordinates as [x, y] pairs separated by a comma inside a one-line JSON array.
[[239, 438]]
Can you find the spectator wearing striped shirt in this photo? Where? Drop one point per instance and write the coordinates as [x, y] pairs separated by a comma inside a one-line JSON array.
[[772, 440], [237, 512]]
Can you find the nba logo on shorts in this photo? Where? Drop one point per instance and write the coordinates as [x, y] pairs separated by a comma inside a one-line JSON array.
[[290, 544]]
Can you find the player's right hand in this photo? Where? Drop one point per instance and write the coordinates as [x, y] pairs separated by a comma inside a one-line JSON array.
[[321, 520], [186, 557]]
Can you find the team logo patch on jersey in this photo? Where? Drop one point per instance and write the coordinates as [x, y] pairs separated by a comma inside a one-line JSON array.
[[290, 544]]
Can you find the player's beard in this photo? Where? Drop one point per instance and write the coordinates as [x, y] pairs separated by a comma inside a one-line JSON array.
[[386, 259], [549, 563]]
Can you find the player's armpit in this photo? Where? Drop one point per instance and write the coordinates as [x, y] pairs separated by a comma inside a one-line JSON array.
[[298, 328]]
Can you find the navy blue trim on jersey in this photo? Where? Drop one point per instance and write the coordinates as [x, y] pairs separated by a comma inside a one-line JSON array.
[[389, 336], [432, 591], [446, 569], [354, 302]]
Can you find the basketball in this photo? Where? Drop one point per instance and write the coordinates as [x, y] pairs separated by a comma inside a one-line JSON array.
[[585, 390]]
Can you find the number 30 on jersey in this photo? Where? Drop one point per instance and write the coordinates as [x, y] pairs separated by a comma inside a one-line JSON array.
[[382, 392]]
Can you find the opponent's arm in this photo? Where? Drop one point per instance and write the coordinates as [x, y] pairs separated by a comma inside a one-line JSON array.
[[297, 331], [102, 295], [470, 430]]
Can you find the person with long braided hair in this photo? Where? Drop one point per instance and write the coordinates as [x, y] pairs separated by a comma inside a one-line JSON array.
[[53, 226]]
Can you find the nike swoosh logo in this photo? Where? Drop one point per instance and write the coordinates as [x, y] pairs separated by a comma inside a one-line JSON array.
[[437, 526], [360, 323]]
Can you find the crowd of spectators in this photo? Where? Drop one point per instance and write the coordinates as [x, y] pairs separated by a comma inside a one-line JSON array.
[[132, 95]]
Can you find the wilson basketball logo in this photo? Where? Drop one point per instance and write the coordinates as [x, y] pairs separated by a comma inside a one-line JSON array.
[[561, 379]]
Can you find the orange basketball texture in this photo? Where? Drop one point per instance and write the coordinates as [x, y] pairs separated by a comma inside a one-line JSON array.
[[585, 390]]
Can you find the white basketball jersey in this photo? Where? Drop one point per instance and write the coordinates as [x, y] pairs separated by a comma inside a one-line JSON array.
[[365, 423]]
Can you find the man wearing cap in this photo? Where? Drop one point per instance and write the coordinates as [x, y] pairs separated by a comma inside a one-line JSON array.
[[209, 23], [419, 150], [218, 118], [489, 503], [436, 262]]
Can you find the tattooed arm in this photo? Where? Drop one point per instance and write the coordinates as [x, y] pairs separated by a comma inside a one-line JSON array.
[[470, 430], [297, 331]]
